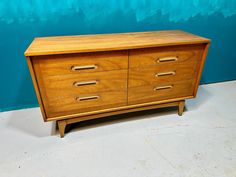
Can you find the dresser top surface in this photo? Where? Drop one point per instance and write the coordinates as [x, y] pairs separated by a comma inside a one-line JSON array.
[[108, 42]]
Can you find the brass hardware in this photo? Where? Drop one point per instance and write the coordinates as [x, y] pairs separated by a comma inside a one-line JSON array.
[[166, 73], [77, 68], [77, 84], [163, 87], [165, 59], [95, 97]]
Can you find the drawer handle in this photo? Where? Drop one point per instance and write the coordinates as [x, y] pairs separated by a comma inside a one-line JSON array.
[[166, 59], [95, 97], [163, 87], [78, 68], [77, 84], [166, 73]]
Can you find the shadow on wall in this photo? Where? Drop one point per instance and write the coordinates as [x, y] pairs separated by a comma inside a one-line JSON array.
[[17, 90], [16, 87]]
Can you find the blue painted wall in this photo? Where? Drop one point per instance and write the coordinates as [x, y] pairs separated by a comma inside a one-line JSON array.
[[22, 20]]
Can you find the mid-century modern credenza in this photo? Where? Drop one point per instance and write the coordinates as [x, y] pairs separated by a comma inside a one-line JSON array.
[[85, 77]]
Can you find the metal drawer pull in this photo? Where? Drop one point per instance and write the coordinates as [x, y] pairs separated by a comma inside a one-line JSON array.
[[163, 87], [166, 73], [77, 68], [165, 59], [77, 84], [95, 97]]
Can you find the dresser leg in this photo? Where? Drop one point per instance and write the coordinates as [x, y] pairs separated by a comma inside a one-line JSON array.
[[181, 107], [62, 126]]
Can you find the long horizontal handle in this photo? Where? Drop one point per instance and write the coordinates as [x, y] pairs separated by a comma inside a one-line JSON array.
[[77, 84], [163, 87], [94, 97], [166, 59], [166, 73], [77, 68]]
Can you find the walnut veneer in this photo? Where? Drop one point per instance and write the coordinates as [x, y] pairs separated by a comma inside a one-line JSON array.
[[78, 78]]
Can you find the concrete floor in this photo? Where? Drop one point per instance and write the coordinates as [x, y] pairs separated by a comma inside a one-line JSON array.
[[149, 144]]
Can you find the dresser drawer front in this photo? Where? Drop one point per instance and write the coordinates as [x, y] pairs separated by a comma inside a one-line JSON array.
[[80, 103], [162, 74], [81, 63], [160, 92], [58, 85], [162, 56]]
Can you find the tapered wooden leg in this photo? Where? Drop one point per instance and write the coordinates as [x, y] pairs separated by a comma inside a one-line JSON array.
[[62, 126], [181, 107]]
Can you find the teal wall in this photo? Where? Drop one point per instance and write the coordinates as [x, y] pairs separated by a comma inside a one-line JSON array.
[[22, 20]]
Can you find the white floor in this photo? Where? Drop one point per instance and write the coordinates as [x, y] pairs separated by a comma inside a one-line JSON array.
[[156, 143]]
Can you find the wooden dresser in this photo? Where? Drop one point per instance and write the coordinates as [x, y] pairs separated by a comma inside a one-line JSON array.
[[78, 78]]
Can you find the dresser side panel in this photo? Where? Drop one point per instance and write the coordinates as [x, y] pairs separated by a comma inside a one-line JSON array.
[[203, 59], [36, 87]]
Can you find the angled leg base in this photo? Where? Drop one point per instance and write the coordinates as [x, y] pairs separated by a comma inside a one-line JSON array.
[[63, 123], [181, 107], [62, 127]]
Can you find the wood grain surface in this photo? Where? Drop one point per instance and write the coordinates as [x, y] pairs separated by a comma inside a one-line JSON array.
[[149, 57], [84, 77], [107, 42], [62, 64], [69, 104], [147, 93], [149, 76], [58, 85]]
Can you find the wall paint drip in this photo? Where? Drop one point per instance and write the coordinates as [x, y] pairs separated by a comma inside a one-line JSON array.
[[25, 10], [22, 20]]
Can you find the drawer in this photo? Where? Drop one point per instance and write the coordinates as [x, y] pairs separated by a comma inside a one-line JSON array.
[[81, 63], [163, 74], [163, 56], [159, 92], [79, 83], [79, 103]]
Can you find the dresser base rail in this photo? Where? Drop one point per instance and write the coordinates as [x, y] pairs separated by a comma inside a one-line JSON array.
[[63, 123]]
